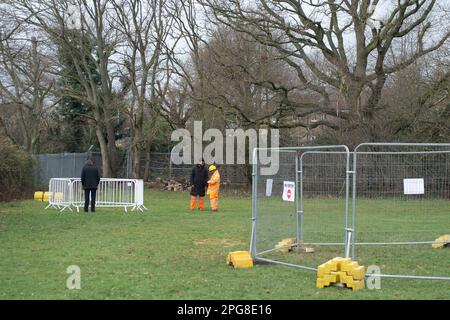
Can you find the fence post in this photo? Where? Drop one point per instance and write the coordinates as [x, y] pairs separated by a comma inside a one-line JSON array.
[[170, 167]]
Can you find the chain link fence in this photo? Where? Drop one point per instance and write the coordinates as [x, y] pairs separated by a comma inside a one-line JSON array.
[[305, 203], [60, 165], [157, 165], [399, 209]]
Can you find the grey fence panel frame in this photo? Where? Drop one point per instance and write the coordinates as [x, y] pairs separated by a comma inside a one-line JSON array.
[[61, 165], [350, 219], [298, 200], [354, 198]]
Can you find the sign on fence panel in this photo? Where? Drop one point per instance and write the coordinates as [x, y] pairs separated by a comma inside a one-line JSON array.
[[413, 186], [269, 183], [288, 191]]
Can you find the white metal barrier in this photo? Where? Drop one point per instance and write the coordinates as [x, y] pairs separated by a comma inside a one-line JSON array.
[[60, 195], [126, 193]]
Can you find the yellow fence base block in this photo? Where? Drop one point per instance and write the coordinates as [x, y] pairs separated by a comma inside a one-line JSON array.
[[240, 259], [38, 195], [282, 247], [340, 261], [339, 276], [341, 272], [322, 283], [285, 245], [353, 269], [59, 196], [356, 285], [289, 241], [445, 239], [47, 196], [326, 268]]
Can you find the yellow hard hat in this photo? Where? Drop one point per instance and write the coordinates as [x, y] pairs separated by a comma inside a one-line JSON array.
[[212, 168]]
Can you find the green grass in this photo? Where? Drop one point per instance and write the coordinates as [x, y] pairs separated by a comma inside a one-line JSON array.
[[170, 252]]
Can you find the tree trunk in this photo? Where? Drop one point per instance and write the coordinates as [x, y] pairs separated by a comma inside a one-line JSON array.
[[136, 162], [106, 169], [147, 164], [138, 139], [111, 140]]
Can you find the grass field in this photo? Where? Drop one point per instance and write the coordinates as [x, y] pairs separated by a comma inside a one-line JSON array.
[[170, 252]]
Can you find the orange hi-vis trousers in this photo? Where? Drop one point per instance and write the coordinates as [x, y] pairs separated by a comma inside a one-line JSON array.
[[213, 190], [194, 202], [214, 201]]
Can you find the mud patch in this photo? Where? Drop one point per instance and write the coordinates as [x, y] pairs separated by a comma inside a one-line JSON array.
[[219, 242]]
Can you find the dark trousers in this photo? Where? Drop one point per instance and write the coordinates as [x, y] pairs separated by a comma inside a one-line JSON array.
[[93, 193]]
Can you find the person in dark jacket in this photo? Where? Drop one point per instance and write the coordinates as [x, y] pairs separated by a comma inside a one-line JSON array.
[[90, 178], [199, 181]]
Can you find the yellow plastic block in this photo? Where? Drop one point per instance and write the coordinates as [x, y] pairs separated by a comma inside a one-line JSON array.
[[358, 273], [38, 195], [349, 265], [47, 196], [322, 283], [332, 278], [445, 239], [339, 276], [326, 281], [355, 284], [341, 271], [326, 268], [289, 240], [282, 247], [352, 283], [340, 261], [358, 285], [353, 269], [240, 259], [58, 196], [346, 279], [285, 245]]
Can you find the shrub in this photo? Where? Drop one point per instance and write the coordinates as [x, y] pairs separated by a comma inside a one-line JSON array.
[[16, 172]]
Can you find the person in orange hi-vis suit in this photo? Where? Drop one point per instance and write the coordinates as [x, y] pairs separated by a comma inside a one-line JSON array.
[[213, 188]]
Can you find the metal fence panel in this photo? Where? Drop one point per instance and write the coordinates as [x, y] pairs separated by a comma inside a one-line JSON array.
[[61, 165], [60, 193], [126, 193], [400, 206], [68, 165], [314, 213]]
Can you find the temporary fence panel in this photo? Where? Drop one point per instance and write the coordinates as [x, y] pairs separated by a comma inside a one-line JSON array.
[[139, 195], [61, 165], [126, 193], [158, 165], [60, 193], [401, 205], [110, 193], [303, 206]]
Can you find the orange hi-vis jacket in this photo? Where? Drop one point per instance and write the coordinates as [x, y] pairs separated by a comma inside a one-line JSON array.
[[214, 183]]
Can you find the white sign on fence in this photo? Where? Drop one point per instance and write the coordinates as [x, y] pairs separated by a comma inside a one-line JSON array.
[[413, 186], [269, 183], [288, 191]]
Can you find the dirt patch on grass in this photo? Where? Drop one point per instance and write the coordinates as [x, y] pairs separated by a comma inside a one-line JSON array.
[[218, 242]]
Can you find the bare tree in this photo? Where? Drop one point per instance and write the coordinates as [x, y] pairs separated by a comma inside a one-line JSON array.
[[25, 84], [338, 49], [90, 45], [146, 27], [420, 106], [242, 78]]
